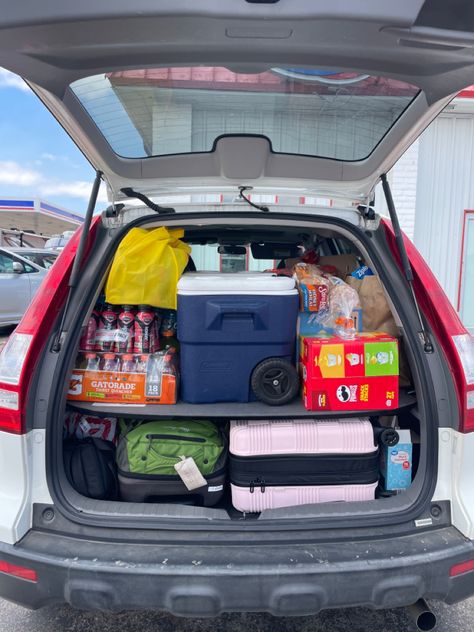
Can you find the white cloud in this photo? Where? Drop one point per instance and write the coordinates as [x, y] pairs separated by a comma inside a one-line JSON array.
[[46, 156], [76, 188], [12, 173], [10, 80]]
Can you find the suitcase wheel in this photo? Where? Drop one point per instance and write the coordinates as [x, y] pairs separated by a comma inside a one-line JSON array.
[[389, 437], [275, 381]]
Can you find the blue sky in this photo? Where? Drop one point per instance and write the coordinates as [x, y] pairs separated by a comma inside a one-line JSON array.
[[37, 158]]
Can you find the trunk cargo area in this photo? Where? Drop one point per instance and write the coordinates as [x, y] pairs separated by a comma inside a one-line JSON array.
[[253, 391]]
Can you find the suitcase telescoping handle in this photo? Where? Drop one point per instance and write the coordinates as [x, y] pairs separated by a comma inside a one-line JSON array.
[[224, 312]]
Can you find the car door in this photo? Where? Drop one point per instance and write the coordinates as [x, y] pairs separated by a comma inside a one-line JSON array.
[[15, 289], [35, 274]]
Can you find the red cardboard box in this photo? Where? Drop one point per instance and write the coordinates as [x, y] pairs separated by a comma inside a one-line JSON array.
[[357, 393], [359, 374]]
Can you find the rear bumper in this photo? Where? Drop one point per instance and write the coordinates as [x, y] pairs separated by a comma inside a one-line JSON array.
[[206, 580]]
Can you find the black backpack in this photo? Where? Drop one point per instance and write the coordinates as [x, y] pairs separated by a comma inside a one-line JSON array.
[[90, 468]]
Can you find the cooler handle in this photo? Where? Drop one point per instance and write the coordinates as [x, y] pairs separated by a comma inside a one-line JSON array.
[[252, 312]]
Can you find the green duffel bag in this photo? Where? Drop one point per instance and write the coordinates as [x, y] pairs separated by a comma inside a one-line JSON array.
[[146, 456]]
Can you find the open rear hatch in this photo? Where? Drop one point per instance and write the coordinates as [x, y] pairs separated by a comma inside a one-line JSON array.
[[379, 72]]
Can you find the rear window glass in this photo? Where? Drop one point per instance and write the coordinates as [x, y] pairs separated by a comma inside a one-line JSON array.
[[208, 258], [162, 111]]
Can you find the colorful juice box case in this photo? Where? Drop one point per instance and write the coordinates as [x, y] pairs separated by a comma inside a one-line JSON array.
[[359, 374]]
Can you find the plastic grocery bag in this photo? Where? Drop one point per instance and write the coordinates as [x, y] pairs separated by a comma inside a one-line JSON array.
[[312, 287], [343, 300], [376, 312], [146, 268], [332, 299], [377, 316]]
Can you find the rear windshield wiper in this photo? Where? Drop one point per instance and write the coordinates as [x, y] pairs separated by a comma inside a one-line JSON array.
[[259, 207], [161, 210]]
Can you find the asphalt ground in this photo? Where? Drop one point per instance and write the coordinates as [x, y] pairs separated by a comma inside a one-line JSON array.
[[458, 618], [13, 618]]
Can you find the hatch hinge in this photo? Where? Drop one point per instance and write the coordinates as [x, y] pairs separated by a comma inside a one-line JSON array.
[[407, 270], [114, 210], [76, 266], [366, 211]]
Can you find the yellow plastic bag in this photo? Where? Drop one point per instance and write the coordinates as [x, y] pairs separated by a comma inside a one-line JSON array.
[[146, 268]]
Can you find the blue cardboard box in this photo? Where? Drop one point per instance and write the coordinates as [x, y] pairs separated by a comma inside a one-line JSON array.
[[396, 463]]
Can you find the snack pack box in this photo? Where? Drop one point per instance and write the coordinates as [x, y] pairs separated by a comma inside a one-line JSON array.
[[351, 394], [359, 374]]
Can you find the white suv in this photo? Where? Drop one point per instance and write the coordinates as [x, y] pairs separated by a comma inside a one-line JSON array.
[[191, 104]]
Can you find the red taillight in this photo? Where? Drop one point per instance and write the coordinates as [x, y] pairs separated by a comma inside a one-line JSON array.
[[19, 357], [463, 567], [444, 321], [18, 571]]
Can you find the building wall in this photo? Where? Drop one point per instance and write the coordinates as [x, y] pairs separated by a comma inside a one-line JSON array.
[[445, 188], [403, 183]]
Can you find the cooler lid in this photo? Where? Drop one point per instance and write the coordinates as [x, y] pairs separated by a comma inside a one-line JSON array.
[[197, 283]]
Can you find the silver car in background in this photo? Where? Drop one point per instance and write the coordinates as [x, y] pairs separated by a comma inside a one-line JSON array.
[[20, 278], [40, 256]]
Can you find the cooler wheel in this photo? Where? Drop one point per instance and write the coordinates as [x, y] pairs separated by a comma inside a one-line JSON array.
[[275, 381]]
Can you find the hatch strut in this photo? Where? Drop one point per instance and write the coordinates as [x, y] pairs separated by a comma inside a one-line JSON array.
[[427, 344], [76, 266], [161, 210]]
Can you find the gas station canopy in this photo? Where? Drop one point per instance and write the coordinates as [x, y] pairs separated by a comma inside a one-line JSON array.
[[37, 215]]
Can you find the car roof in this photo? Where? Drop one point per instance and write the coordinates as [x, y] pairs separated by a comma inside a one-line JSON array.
[[426, 44], [39, 251]]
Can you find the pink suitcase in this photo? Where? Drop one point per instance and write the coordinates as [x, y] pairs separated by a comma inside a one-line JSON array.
[[295, 462]]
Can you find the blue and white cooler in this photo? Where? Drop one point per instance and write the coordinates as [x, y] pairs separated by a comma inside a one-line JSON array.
[[237, 337]]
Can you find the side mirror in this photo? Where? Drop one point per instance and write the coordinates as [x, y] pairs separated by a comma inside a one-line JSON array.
[[18, 267]]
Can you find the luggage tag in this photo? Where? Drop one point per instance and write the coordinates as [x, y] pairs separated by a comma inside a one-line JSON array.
[[189, 473], [85, 426]]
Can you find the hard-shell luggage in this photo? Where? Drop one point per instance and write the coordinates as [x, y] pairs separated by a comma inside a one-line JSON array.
[[237, 337], [147, 455], [294, 462]]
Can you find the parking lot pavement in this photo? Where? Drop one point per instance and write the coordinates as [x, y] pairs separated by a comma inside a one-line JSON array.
[[459, 618]]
